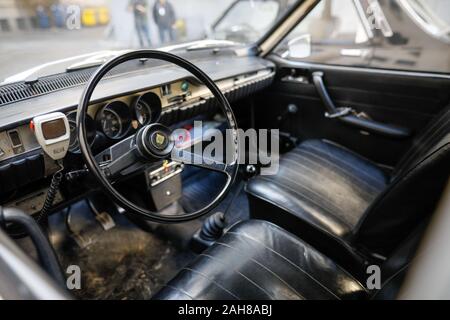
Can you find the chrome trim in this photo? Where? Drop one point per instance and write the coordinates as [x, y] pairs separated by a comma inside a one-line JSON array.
[[167, 177], [363, 18], [308, 65]]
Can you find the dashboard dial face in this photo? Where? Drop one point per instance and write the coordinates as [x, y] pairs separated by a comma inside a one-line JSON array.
[[73, 143], [114, 119], [143, 112], [74, 146], [111, 124], [147, 108]]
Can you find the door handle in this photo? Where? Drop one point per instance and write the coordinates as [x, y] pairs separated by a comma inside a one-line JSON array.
[[323, 93], [353, 118], [340, 112]]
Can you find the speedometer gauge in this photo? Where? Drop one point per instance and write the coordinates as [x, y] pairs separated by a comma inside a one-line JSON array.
[[143, 112], [114, 119], [147, 108], [111, 124]]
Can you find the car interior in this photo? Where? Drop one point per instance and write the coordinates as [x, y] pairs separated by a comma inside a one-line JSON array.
[[93, 175]]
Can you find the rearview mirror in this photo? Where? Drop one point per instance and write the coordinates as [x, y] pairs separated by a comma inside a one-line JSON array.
[[300, 47]]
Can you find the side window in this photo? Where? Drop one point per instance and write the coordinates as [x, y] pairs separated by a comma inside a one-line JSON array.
[[390, 34]]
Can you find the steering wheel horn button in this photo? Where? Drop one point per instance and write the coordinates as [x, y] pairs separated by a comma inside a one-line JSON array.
[[154, 142], [160, 140]]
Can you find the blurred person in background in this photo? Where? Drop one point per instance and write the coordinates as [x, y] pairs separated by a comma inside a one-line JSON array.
[[164, 16], [58, 13], [42, 17], [140, 12]]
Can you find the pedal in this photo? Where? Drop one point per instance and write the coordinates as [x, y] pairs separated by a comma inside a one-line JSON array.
[[105, 220], [81, 241]]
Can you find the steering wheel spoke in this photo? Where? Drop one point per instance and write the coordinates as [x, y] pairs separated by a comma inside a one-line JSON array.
[[120, 160]]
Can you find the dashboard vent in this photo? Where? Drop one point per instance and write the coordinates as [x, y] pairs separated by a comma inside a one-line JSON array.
[[20, 91]]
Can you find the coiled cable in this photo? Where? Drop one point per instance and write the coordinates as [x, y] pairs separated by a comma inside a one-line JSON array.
[[51, 194]]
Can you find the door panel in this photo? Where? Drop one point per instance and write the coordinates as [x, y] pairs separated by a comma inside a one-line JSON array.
[[404, 99]]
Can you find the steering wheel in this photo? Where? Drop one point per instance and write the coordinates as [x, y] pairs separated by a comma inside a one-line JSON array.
[[153, 143]]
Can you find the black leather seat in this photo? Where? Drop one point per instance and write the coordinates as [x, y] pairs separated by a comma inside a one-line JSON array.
[[346, 206], [256, 260], [322, 184]]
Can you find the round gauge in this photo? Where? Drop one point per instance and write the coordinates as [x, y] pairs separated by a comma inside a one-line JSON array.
[[143, 112], [147, 108], [114, 119], [91, 132], [73, 144], [111, 124]]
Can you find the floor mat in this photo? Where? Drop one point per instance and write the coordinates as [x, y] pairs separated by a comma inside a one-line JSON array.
[[121, 263]]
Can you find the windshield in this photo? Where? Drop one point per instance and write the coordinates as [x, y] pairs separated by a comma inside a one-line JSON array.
[[247, 19], [53, 36]]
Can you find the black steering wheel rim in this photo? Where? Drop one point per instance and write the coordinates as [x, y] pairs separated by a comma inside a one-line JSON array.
[[95, 169]]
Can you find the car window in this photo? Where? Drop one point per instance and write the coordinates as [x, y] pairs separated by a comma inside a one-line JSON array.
[[396, 34], [45, 37], [248, 20], [255, 15]]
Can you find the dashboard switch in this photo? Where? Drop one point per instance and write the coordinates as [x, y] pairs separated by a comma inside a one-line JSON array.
[[184, 86]]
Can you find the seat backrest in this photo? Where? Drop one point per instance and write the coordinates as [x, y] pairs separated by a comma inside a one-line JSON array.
[[425, 143], [395, 268], [413, 193]]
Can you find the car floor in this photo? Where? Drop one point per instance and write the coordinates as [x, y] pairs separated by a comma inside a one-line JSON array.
[[134, 260], [123, 262]]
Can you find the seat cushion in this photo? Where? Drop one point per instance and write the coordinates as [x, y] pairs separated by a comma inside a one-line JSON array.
[[319, 184], [258, 260]]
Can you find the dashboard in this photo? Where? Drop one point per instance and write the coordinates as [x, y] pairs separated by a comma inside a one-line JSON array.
[[124, 104], [114, 119]]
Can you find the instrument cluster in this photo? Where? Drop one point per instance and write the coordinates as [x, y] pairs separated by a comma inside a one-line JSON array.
[[116, 119]]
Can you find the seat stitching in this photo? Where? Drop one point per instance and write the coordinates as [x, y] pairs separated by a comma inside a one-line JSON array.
[[371, 195], [251, 281], [263, 266], [370, 189], [419, 144], [313, 192], [321, 198], [331, 155], [312, 201], [212, 281], [180, 290], [431, 132], [291, 237], [288, 260], [424, 144], [330, 212], [348, 173]]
